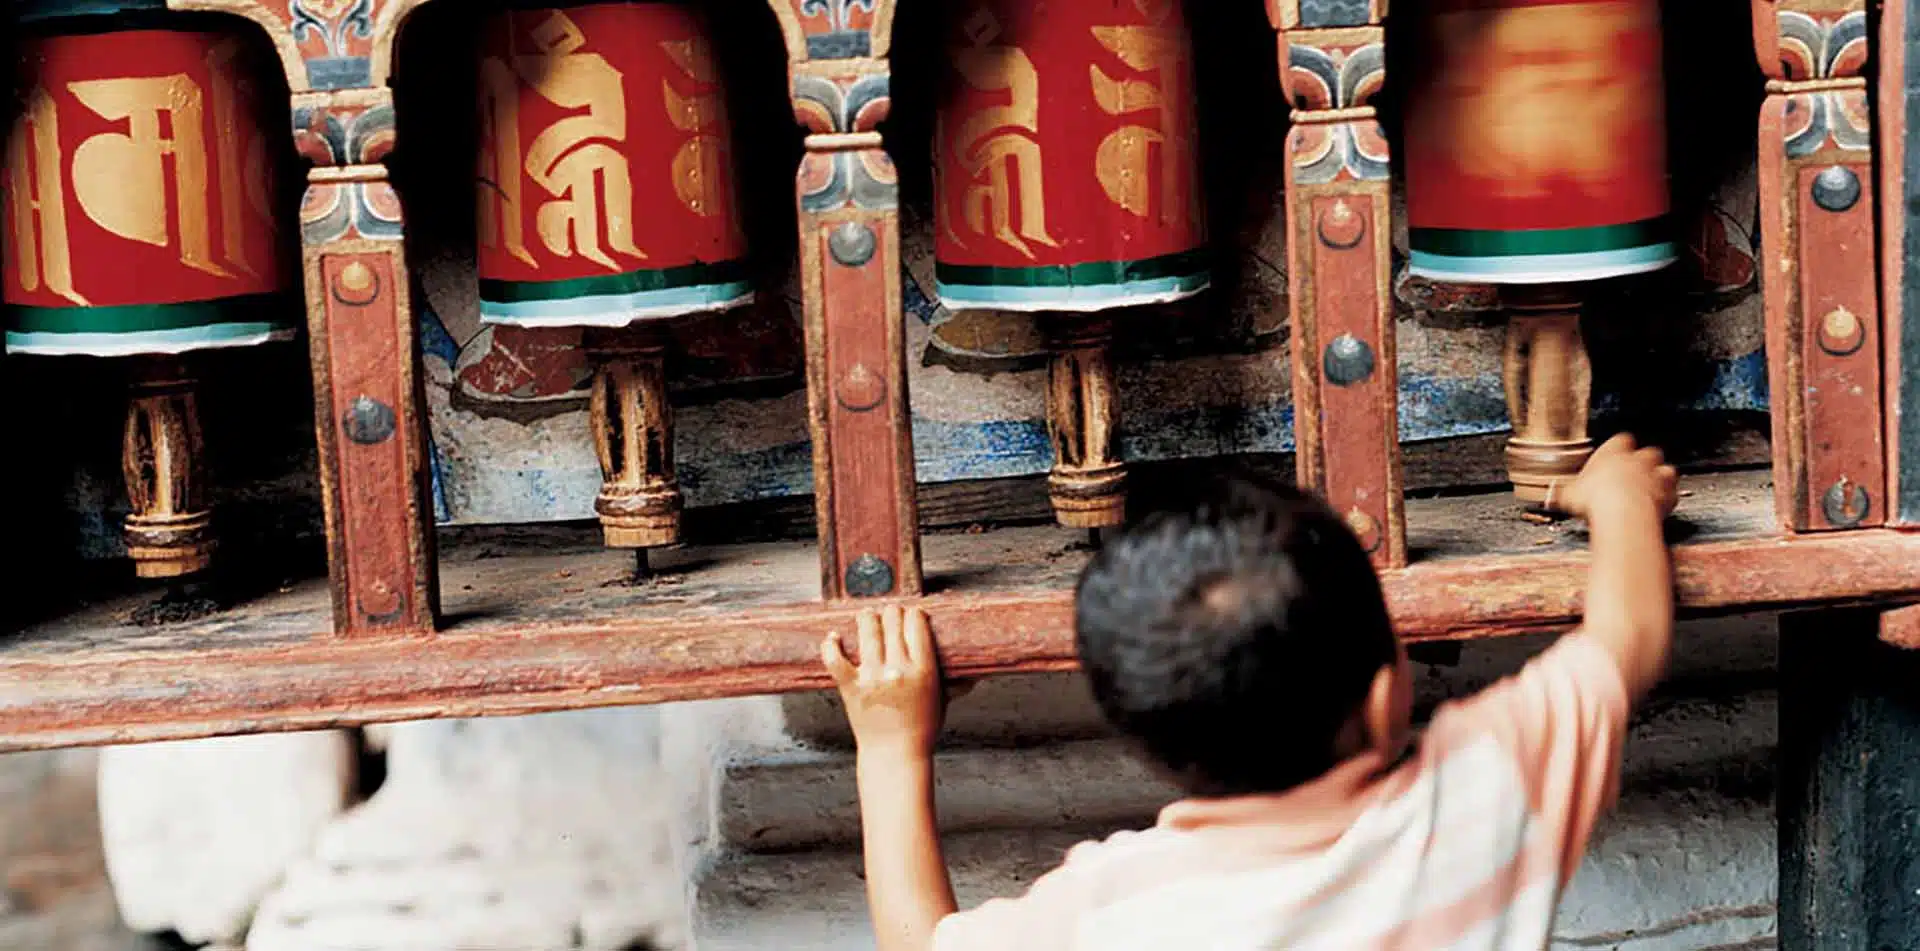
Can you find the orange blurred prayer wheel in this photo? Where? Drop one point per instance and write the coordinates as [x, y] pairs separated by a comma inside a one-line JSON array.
[[607, 202], [140, 203], [1535, 158], [1067, 185]]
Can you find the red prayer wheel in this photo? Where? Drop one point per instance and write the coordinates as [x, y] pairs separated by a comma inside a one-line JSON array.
[[140, 202], [1535, 156], [607, 201], [1536, 144], [1065, 158], [1067, 183]]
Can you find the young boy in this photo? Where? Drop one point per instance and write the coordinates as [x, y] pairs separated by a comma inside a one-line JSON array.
[[1242, 642]]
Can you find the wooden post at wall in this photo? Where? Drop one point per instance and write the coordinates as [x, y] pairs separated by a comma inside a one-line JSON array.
[[1818, 275], [1339, 262], [368, 397], [1899, 116], [1849, 800], [848, 196]]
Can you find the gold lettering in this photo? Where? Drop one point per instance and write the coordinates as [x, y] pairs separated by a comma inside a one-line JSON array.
[[501, 221], [233, 174], [34, 190], [120, 179], [995, 145], [565, 160], [1122, 162]]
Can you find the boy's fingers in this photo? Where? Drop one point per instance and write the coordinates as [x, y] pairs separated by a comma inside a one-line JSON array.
[[834, 654], [919, 639], [896, 624], [872, 654]]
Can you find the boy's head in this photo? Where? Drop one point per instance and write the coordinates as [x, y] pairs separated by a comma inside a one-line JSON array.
[[1238, 633]]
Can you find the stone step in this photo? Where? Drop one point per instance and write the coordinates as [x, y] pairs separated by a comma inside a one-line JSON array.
[[1679, 869], [1674, 869], [806, 799]]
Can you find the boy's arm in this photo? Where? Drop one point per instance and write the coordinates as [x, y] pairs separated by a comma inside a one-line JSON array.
[[1625, 494], [908, 890], [1564, 717], [895, 703]]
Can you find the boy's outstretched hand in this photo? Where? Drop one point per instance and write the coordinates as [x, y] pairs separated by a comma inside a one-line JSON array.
[[1624, 493], [893, 696], [1620, 470]]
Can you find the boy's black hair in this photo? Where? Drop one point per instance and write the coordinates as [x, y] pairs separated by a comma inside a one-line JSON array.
[[1233, 632]]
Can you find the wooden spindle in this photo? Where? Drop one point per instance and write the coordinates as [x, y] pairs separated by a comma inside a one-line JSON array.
[[639, 502], [169, 532], [1087, 485], [1549, 383]]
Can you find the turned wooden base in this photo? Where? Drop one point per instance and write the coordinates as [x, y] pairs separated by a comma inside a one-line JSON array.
[[639, 503], [169, 532], [1549, 383], [1088, 483]]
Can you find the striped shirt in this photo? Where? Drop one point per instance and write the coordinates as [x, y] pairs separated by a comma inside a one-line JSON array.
[[1463, 846]]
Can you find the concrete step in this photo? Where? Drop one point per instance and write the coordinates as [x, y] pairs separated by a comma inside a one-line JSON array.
[[1680, 869], [802, 799]]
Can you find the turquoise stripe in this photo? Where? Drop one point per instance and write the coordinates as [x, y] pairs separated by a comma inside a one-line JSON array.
[[616, 309], [150, 341], [1005, 296], [1541, 267]]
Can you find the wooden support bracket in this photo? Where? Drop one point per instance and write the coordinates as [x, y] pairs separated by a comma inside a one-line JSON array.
[[1899, 101], [1821, 289], [367, 387], [849, 214], [1339, 258]]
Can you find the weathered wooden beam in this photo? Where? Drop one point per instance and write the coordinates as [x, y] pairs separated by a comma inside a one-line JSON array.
[[477, 668], [1849, 800]]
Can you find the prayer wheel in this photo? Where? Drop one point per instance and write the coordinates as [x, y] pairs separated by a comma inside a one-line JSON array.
[[1535, 158], [141, 216], [1067, 185], [607, 202]]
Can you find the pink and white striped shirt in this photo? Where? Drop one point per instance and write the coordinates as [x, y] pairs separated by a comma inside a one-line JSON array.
[[1464, 846]]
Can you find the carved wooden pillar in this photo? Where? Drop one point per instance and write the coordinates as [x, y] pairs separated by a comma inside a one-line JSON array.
[[169, 532], [1549, 386], [1339, 240], [639, 502], [1817, 235], [1899, 97], [850, 277], [368, 400], [1088, 483]]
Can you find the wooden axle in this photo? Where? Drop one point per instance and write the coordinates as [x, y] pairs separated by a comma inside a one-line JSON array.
[[1088, 484], [639, 502], [169, 530], [1549, 384]]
